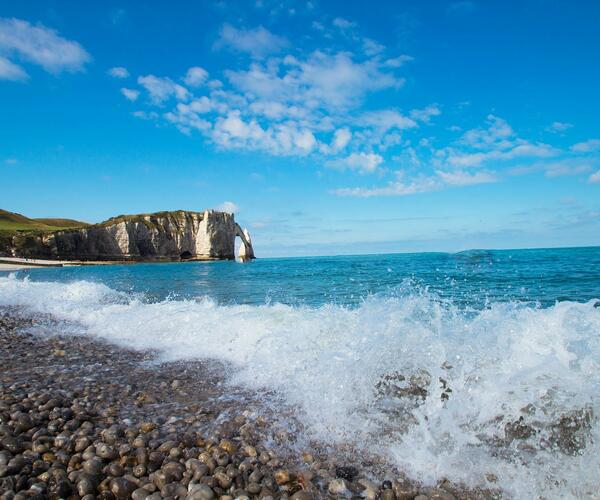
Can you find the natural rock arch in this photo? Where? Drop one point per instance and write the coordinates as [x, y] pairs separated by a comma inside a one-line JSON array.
[[246, 250]]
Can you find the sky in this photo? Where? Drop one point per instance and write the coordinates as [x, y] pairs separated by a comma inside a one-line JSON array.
[[327, 127]]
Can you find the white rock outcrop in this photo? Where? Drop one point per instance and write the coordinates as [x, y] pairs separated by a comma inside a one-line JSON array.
[[184, 235]]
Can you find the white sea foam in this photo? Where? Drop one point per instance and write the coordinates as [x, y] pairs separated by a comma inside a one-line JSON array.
[[341, 368]]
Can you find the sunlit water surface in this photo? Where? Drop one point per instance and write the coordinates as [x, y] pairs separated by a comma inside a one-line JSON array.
[[482, 367]]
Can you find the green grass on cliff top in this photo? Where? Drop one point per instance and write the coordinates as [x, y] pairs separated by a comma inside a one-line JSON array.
[[10, 221]]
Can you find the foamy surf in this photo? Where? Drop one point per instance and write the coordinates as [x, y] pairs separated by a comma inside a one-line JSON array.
[[506, 396]]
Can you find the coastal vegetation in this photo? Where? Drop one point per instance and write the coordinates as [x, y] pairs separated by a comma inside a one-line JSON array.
[[11, 221]]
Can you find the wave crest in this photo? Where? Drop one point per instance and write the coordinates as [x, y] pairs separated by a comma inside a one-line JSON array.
[[505, 396]]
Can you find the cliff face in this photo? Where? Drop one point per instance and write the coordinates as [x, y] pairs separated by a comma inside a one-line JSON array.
[[161, 236]]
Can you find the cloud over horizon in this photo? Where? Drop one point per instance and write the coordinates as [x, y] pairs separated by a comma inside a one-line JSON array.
[[324, 103]]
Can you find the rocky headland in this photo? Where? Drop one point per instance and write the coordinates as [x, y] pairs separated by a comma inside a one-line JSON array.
[[161, 236]]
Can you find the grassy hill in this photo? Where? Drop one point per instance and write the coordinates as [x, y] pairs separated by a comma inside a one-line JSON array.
[[11, 221], [62, 223]]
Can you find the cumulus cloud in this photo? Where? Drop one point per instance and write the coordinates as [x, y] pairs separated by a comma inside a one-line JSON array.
[[462, 178], [161, 89], [295, 105], [11, 71], [371, 47], [559, 127], [420, 184], [397, 187], [589, 146], [495, 141], [324, 103], [233, 132], [386, 119], [344, 24], [258, 42], [195, 76], [328, 81], [228, 206], [38, 45], [555, 168], [399, 61], [341, 138], [595, 178], [425, 115], [130, 94], [118, 72], [364, 163], [565, 167]]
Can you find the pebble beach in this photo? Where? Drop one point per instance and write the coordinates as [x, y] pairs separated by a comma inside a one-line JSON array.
[[80, 418]]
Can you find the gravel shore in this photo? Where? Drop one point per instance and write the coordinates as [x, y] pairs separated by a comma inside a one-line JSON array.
[[80, 418]]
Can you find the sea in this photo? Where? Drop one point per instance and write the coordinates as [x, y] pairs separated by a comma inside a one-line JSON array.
[[481, 367]]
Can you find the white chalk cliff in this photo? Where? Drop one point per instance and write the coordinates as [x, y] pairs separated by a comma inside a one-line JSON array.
[[179, 235]]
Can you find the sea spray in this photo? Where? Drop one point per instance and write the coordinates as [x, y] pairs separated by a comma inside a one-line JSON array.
[[500, 396]]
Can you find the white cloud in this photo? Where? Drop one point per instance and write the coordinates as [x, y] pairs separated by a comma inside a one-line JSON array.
[[233, 132], [386, 119], [588, 146], [419, 184], [228, 206], [328, 81], [118, 72], [195, 76], [344, 24], [186, 120], [395, 188], [371, 47], [559, 127], [322, 103], [40, 45], [201, 105], [496, 133], [557, 168], [424, 115], [364, 163], [341, 138], [145, 115], [566, 167], [161, 89], [258, 42], [11, 71], [496, 141], [299, 104], [399, 61], [595, 178], [130, 94], [524, 149], [462, 178]]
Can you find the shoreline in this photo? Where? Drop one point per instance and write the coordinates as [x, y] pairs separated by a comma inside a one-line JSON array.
[[15, 267], [133, 426], [17, 263]]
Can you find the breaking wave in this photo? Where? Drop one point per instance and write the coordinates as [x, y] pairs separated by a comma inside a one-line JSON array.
[[506, 396]]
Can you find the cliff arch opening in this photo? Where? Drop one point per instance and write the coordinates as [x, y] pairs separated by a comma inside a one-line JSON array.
[[185, 255], [237, 244], [243, 249]]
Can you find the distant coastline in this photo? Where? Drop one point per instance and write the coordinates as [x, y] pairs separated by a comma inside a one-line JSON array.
[[161, 236]]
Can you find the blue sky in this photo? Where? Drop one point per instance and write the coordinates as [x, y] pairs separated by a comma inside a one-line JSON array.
[[328, 127]]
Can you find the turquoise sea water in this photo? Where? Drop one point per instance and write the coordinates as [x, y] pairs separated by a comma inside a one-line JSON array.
[[514, 335], [475, 277]]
